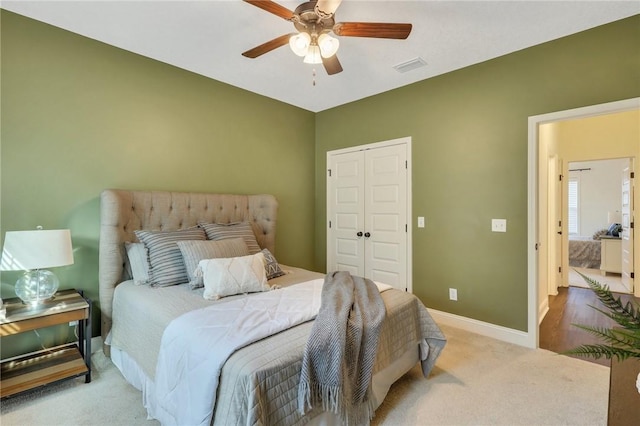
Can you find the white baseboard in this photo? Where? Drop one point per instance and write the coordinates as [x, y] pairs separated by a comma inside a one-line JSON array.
[[505, 334], [543, 309]]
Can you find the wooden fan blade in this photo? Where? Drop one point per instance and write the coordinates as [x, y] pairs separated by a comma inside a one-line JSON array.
[[272, 7], [332, 65], [372, 29], [268, 46]]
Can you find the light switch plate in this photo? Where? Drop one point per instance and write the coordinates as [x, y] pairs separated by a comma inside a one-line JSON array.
[[453, 294], [499, 225], [420, 221]]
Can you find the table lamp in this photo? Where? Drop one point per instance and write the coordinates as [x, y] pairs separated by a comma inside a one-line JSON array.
[[32, 251], [614, 217]]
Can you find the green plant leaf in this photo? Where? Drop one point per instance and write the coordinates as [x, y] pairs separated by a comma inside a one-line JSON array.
[[599, 351], [621, 342]]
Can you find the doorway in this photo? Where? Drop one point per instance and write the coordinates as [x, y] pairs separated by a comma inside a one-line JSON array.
[[545, 132], [594, 225]]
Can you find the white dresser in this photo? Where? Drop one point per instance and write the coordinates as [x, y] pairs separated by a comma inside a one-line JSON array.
[[610, 255]]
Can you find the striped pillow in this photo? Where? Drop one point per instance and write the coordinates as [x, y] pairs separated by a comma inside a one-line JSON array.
[[166, 266], [195, 251], [216, 231]]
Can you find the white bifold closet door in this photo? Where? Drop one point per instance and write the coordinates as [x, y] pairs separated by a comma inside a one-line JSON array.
[[368, 214]]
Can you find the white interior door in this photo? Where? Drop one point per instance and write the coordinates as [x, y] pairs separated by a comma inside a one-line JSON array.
[[368, 208], [386, 215], [345, 205], [627, 226]]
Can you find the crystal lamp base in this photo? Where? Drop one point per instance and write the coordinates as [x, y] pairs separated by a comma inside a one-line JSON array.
[[36, 286]]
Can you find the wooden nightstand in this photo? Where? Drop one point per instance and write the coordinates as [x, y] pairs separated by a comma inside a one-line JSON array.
[[50, 365]]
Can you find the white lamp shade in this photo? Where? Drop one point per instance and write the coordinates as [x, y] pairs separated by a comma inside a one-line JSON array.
[[299, 43], [614, 217], [313, 55], [328, 45], [27, 250]]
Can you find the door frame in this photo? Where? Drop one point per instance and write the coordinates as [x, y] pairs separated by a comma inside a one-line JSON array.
[[628, 242], [554, 197], [400, 141], [532, 339]]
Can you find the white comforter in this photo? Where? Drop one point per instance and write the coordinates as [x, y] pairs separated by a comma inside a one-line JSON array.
[[196, 345]]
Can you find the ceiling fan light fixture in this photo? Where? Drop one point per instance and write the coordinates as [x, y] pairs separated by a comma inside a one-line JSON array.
[[299, 43], [314, 20], [328, 45], [313, 55], [326, 8]]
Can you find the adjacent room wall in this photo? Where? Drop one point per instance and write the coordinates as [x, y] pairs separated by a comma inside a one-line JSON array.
[[600, 192], [469, 137], [79, 116]]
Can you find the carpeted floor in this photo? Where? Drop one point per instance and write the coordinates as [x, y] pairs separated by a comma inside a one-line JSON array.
[[477, 381]]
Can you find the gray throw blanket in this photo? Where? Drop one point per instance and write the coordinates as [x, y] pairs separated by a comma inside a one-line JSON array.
[[338, 360]]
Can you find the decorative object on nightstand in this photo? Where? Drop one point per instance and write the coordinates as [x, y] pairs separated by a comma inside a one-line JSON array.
[[614, 217], [32, 251]]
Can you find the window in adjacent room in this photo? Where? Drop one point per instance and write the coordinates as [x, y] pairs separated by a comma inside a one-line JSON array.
[[574, 183]]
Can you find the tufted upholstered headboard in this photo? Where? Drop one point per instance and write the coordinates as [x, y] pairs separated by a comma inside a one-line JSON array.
[[122, 212]]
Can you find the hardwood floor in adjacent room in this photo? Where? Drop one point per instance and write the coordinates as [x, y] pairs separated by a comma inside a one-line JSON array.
[[571, 306]]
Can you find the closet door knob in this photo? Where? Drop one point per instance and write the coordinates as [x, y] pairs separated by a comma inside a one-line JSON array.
[[367, 235], [359, 234]]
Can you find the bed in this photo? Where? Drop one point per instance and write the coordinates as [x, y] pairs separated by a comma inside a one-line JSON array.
[[258, 383], [584, 252]]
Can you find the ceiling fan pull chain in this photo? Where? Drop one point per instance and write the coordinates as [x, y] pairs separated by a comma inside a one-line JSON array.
[[313, 73]]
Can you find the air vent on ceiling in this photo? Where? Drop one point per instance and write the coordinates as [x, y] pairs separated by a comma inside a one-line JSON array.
[[412, 64]]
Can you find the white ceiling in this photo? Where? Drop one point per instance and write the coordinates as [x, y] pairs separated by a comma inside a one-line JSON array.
[[208, 37]]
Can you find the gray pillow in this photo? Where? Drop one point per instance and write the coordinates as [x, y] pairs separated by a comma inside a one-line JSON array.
[[138, 262], [271, 267], [216, 231], [195, 251], [166, 266]]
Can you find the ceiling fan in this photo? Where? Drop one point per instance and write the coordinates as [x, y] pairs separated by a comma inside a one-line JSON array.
[[315, 20]]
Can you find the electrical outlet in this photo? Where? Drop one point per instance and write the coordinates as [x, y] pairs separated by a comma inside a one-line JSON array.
[[73, 323], [453, 294], [499, 225], [420, 221]]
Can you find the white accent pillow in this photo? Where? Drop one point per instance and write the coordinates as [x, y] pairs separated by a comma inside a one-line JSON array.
[[235, 275], [138, 262]]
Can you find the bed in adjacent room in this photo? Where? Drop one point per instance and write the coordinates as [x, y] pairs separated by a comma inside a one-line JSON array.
[[160, 326], [584, 252]]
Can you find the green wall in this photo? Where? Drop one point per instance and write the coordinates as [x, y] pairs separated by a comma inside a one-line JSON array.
[[79, 116], [469, 142]]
